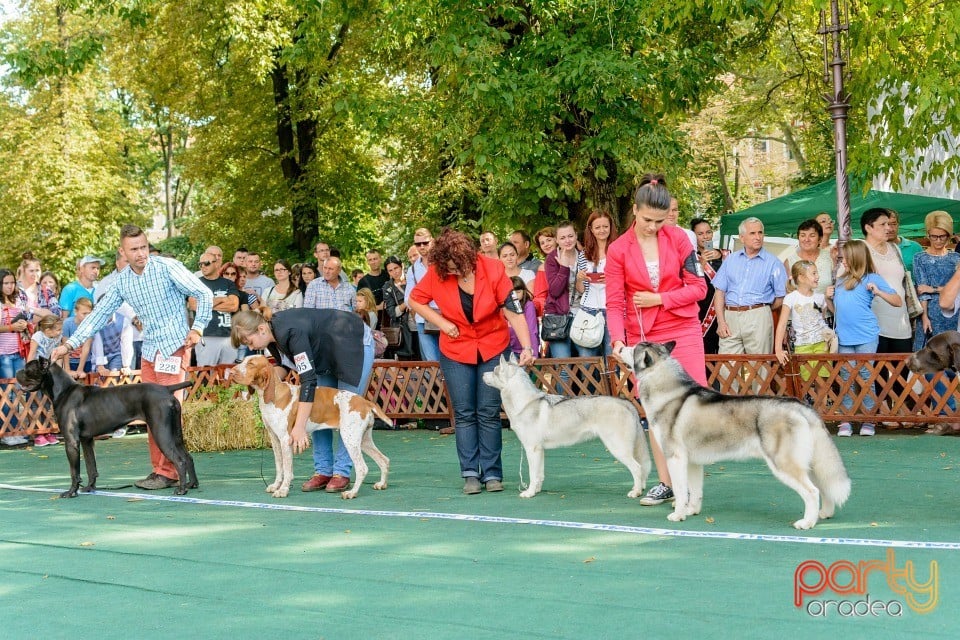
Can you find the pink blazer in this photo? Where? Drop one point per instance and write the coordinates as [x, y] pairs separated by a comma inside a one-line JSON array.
[[626, 274]]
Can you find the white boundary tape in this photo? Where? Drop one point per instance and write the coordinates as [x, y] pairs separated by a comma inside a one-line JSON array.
[[589, 526]]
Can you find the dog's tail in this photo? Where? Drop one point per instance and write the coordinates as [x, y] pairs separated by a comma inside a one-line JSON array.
[[377, 411], [180, 385], [829, 473]]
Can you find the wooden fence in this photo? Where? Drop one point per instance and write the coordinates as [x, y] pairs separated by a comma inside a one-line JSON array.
[[416, 390]]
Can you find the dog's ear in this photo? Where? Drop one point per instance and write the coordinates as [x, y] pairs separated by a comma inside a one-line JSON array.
[[670, 345], [513, 359], [955, 356], [503, 360], [44, 363]]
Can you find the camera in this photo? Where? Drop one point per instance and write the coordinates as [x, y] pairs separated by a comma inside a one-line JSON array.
[[20, 316]]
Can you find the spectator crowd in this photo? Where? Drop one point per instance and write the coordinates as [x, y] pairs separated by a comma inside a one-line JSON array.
[[558, 293]]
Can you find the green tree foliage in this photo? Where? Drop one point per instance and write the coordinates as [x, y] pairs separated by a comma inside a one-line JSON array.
[[269, 123], [906, 68], [535, 111], [67, 159]]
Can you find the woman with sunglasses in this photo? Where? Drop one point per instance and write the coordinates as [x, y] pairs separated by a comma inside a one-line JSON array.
[[932, 269]]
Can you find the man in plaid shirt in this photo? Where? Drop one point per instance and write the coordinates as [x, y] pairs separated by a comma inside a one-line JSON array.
[[157, 289]]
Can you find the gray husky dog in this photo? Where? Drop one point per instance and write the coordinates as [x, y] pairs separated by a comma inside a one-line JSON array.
[[542, 421], [697, 426]]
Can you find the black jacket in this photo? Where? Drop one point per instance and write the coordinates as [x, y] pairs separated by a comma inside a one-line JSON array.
[[319, 342]]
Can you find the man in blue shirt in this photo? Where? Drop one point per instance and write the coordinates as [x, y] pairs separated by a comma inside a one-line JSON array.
[[749, 284], [157, 288], [88, 269]]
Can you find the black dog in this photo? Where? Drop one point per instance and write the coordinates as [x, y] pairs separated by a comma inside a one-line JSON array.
[[84, 412]]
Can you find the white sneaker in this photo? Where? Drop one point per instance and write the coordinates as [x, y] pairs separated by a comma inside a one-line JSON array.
[[119, 433], [14, 441]]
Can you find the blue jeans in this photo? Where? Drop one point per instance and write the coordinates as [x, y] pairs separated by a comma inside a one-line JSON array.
[[10, 363], [867, 347], [114, 362], [941, 388], [323, 456], [476, 411], [429, 344]]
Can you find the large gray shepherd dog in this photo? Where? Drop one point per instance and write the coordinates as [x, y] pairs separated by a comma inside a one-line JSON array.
[[697, 426], [542, 421]]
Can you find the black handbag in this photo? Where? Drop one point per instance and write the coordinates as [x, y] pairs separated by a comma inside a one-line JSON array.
[[555, 327]]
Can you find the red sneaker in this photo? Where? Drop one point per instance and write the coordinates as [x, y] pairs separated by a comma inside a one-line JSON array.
[[317, 482], [337, 483]]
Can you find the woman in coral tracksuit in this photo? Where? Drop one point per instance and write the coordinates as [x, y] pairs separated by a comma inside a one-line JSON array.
[[654, 282]]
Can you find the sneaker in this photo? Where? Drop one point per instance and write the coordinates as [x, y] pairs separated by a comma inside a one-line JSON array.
[[471, 485], [867, 429], [40, 441], [337, 483], [845, 430], [315, 483], [155, 481], [494, 485], [119, 433], [657, 495], [13, 441], [52, 439]]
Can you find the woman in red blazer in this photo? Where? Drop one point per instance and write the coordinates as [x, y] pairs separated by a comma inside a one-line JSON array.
[[474, 294], [654, 282]]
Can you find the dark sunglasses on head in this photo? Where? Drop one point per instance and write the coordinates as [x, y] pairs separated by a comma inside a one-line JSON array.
[[205, 264]]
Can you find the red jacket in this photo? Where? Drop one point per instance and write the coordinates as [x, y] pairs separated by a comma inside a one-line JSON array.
[[626, 273], [488, 335]]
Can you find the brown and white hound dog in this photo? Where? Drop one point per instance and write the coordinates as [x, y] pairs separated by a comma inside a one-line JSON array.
[[353, 415]]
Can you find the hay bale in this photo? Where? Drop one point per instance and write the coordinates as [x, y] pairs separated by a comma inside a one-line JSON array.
[[223, 425]]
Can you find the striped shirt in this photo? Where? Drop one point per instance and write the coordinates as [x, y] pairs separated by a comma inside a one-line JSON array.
[[158, 295], [320, 295], [748, 281]]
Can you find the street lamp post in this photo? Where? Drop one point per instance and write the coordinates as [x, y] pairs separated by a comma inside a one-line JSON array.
[[838, 103]]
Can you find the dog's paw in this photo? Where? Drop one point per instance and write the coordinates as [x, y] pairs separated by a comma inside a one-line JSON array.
[[349, 495], [804, 524], [72, 493], [676, 517], [825, 514], [273, 487], [636, 493], [281, 492], [529, 493], [380, 486]]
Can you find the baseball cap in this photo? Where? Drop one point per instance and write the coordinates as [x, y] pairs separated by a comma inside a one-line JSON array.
[[88, 259]]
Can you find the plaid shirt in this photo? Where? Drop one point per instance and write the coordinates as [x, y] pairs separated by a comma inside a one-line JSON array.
[[320, 295], [158, 295]]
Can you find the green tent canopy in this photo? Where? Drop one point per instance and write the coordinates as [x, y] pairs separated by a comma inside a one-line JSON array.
[[781, 216]]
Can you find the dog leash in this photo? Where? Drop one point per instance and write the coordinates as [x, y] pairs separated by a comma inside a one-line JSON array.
[[521, 484]]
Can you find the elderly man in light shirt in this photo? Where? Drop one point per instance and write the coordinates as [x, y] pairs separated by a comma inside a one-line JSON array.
[[157, 288], [749, 285]]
